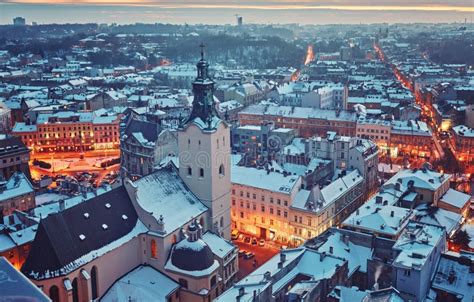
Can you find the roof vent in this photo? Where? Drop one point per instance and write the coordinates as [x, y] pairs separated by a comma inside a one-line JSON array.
[[104, 226], [82, 237], [107, 205], [124, 217], [86, 215]]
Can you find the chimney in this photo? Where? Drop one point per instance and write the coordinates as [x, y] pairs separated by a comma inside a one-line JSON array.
[[392, 213], [62, 206], [161, 225], [282, 257], [378, 199], [241, 293], [397, 186], [267, 276]]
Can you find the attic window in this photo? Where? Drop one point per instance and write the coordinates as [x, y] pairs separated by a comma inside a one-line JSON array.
[[86, 215], [82, 237], [107, 205], [124, 217], [104, 226]]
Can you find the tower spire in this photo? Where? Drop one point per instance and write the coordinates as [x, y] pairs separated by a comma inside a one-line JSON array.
[[202, 46], [204, 106]]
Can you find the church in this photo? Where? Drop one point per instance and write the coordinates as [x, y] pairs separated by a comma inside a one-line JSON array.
[[165, 236]]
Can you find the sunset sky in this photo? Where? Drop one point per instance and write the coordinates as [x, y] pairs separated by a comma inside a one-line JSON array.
[[259, 11]]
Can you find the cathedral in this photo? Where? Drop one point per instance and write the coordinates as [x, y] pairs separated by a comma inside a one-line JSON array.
[[165, 236]]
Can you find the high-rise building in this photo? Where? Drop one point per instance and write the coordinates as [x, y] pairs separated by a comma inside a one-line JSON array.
[[204, 157], [19, 21]]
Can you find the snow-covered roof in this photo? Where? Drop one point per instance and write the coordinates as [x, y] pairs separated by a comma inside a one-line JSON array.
[[144, 283], [164, 193], [261, 179], [438, 216], [455, 276], [455, 198], [422, 178], [300, 112], [23, 127], [218, 245], [416, 243], [356, 255], [379, 218], [17, 185]]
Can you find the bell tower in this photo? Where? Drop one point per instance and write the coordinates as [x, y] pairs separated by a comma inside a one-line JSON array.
[[204, 152]]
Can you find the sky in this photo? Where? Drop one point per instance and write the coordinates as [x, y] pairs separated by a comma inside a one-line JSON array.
[[223, 11]]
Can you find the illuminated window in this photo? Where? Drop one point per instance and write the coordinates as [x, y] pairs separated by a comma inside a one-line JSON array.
[[153, 249]]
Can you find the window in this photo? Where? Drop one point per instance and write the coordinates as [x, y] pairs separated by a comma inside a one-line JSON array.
[[248, 205], [254, 196], [278, 212], [263, 198], [222, 222], [190, 171], [201, 172], [241, 214], [75, 291], [407, 273], [213, 281], [278, 201], [54, 293], [271, 210], [271, 221], [285, 202], [183, 282], [285, 214], [221, 170], [263, 208], [95, 292], [248, 195], [271, 199], [153, 249], [233, 202], [233, 191]]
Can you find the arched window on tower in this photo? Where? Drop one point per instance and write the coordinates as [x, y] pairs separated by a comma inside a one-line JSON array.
[[201, 172], [190, 171], [54, 293], [221, 170], [75, 291], [94, 285], [222, 222], [153, 249]]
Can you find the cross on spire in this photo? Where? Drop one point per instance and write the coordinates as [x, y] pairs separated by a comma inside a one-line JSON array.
[[202, 46]]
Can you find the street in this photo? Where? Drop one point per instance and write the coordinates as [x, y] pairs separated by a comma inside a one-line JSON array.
[[72, 163], [262, 254]]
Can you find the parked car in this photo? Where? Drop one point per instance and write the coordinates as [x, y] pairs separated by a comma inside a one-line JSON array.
[[242, 253], [247, 239], [254, 241], [261, 242], [234, 235], [249, 255]]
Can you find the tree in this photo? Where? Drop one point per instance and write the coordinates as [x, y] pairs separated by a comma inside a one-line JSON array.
[[462, 238]]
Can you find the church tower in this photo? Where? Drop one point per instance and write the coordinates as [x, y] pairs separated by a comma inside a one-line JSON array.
[[204, 152]]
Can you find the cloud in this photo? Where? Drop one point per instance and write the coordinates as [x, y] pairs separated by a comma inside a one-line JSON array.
[[389, 5]]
